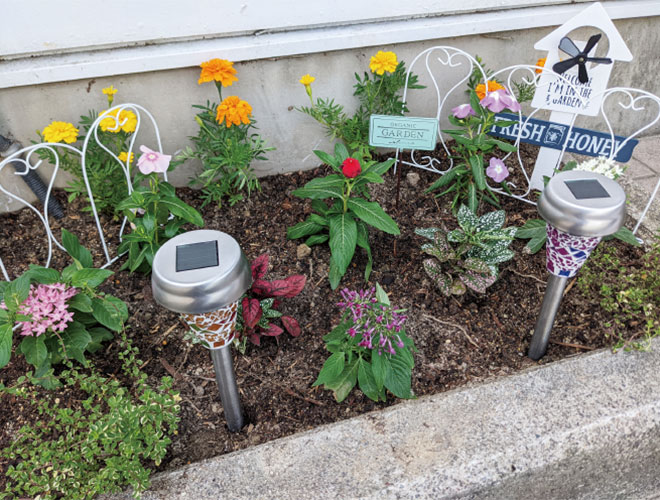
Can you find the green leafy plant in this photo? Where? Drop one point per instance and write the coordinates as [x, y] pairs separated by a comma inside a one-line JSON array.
[[105, 172], [155, 212], [369, 348], [259, 307], [466, 180], [630, 294], [98, 445], [379, 93], [344, 224], [226, 143], [62, 315], [468, 258]]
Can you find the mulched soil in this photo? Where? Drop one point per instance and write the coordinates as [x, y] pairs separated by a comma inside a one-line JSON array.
[[459, 340]]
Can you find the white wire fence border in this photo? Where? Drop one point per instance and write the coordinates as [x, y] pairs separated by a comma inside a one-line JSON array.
[[25, 157]]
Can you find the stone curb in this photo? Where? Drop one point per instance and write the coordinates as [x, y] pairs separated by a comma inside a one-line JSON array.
[[583, 428]]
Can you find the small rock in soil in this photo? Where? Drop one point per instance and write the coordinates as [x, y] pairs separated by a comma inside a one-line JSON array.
[[412, 178], [303, 251], [199, 391]]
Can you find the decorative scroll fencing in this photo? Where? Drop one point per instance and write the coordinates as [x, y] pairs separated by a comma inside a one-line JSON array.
[[29, 158], [447, 58]]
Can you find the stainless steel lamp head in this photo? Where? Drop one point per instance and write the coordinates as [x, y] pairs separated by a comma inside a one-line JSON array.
[[583, 203], [199, 271]]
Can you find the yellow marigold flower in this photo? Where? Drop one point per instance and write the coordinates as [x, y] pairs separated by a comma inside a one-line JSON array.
[[61, 132], [123, 155], [307, 80], [541, 63], [233, 111], [492, 86], [219, 70], [383, 61], [126, 119]]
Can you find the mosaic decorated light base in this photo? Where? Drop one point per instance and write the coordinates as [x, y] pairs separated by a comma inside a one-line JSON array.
[[216, 328], [566, 253]]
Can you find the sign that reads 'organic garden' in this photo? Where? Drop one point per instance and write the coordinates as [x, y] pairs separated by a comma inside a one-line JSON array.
[[556, 136], [403, 132]]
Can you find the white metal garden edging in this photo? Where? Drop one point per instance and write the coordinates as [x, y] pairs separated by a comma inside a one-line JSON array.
[[24, 157], [449, 57]]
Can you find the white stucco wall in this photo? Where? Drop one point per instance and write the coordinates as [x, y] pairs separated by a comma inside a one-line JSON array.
[[271, 86]]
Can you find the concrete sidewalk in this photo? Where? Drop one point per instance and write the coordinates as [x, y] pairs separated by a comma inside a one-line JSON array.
[[583, 428]]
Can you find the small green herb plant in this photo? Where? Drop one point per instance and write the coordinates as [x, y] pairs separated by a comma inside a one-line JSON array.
[[379, 93], [155, 212], [345, 223], [99, 445], [369, 348], [61, 315], [630, 294], [468, 257], [226, 143]]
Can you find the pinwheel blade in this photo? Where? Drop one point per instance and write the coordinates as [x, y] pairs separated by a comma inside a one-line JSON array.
[[567, 45], [563, 66], [593, 40], [582, 73], [600, 60]]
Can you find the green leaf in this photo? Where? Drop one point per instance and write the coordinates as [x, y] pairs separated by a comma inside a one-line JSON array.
[[379, 366], [443, 180], [328, 159], [473, 200], [320, 207], [34, 350], [180, 209], [478, 281], [467, 219], [43, 275], [398, 378], [504, 146], [626, 235], [343, 238], [334, 273], [363, 242], [383, 167], [344, 383], [73, 247], [341, 153], [80, 302], [304, 228], [316, 239], [110, 312], [535, 244], [366, 380], [90, 277], [76, 339], [6, 335], [324, 187], [332, 368], [372, 213], [474, 264], [532, 229], [456, 236], [491, 220], [478, 172], [44, 376], [16, 292], [98, 335], [381, 295], [438, 276]]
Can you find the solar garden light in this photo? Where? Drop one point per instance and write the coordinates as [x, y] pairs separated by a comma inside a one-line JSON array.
[[580, 208], [202, 275]]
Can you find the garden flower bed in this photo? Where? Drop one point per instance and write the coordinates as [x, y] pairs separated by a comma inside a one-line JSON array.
[[458, 339]]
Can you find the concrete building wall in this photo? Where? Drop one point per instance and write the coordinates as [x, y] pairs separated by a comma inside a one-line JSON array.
[[271, 87]]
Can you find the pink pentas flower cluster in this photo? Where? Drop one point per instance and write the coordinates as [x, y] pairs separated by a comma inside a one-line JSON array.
[[47, 309], [376, 324]]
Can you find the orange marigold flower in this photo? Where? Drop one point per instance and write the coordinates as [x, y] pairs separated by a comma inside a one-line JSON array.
[[541, 63], [492, 86], [219, 70], [233, 111]]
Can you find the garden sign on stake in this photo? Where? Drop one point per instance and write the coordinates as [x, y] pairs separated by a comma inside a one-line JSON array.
[[573, 61]]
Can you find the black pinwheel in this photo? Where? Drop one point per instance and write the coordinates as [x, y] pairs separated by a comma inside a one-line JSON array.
[[579, 57]]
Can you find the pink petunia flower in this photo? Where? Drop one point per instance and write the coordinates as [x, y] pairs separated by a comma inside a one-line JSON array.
[[499, 100], [497, 170], [463, 111], [153, 161]]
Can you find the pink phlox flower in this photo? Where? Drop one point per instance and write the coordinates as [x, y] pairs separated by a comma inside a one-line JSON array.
[[497, 170], [463, 111], [152, 161], [499, 100]]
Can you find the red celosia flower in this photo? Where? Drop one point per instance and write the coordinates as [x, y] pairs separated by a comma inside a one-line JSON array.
[[351, 168]]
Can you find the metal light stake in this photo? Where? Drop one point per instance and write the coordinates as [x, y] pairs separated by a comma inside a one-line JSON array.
[[580, 208], [202, 275]]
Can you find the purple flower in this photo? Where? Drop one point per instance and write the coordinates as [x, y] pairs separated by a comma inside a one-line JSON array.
[[463, 111], [497, 170], [499, 100]]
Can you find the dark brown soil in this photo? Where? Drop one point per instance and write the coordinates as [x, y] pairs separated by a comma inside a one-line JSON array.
[[459, 340]]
